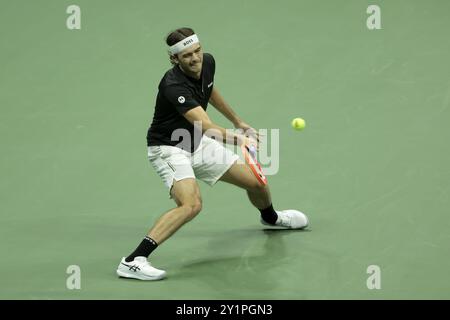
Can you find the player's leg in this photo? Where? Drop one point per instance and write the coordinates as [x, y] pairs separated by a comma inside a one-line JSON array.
[[240, 175], [213, 162], [186, 194], [173, 166], [259, 194]]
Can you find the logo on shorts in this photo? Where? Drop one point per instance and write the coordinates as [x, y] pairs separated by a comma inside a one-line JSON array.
[[181, 99]]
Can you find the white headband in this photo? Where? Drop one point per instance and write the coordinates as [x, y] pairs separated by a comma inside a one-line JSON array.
[[183, 44]]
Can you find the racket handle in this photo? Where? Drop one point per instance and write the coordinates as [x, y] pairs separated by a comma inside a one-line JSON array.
[[252, 150]]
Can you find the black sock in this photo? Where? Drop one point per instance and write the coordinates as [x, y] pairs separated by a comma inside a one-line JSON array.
[[269, 215], [143, 250]]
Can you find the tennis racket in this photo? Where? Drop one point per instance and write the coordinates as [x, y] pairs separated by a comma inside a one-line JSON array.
[[249, 153]]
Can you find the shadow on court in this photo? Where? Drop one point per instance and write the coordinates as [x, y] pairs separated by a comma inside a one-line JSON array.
[[258, 256]]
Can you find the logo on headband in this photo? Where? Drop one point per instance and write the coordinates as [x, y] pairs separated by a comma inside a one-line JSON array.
[[188, 42]]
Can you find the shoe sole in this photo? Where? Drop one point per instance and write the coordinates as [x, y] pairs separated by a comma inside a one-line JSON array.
[[274, 226], [282, 227], [269, 226], [133, 276]]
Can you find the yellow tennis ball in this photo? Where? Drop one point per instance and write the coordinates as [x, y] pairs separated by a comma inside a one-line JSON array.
[[298, 124]]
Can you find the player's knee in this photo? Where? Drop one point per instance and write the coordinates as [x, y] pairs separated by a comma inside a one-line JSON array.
[[196, 207], [192, 209], [257, 187]]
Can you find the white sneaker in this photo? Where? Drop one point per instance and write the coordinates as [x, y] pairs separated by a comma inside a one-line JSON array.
[[140, 269], [291, 219]]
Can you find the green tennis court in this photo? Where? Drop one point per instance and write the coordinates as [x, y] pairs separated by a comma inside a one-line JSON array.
[[371, 169]]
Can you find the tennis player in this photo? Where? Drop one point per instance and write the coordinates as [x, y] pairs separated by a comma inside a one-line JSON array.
[[181, 150]]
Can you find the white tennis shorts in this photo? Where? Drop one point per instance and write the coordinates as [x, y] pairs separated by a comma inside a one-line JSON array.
[[208, 163]]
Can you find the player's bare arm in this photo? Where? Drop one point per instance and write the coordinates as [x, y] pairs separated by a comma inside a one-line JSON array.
[[219, 103]]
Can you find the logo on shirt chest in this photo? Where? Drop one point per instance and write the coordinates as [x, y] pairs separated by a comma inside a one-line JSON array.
[[181, 99]]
